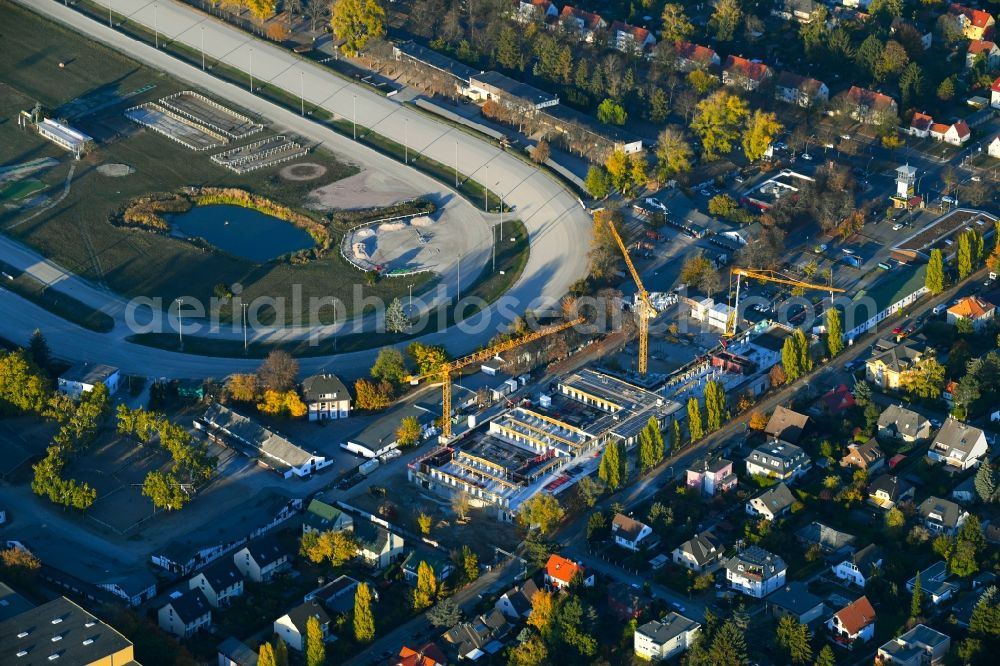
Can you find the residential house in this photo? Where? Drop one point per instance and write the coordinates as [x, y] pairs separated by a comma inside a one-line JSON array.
[[859, 566], [83, 377], [378, 547], [772, 503], [834, 402], [890, 294], [920, 646], [700, 553], [586, 24], [941, 516], [515, 603], [889, 490], [786, 425], [935, 583], [828, 539], [337, 596], [220, 582], [693, 56], [868, 106], [185, 613], [428, 654], [920, 125], [322, 517], [778, 460], [756, 572], [261, 559], [796, 601], [975, 23], [889, 360], [803, 11], [481, 636], [958, 445], [746, 74], [855, 623], [291, 627], [995, 95], [134, 587], [955, 133], [559, 572], [233, 652], [802, 91], [629, 38], [899, 423], [626, 601], [494, 86], [711, 475], [977, 311], [985, 49], [630, 533], [442, 567], [532, 10], [665, 639], [326, 397], [993, 149], [867, 456]]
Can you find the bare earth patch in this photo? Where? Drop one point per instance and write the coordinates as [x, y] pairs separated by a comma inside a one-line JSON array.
[[115, 170], [302, 171], [367, 189]]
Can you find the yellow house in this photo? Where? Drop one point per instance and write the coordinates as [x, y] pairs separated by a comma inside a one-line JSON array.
[[975, 23], [888, 361]]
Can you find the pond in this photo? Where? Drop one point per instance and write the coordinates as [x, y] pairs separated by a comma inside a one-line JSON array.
[[242, 232]]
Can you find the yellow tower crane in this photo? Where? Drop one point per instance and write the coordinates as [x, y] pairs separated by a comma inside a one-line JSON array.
[[646, 309], [767, 275], [443, 374]]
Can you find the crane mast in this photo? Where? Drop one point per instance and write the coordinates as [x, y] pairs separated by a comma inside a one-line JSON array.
[[767, 275], [646, 309]]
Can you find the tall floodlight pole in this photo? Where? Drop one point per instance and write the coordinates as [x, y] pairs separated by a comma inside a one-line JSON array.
[[456, 163], [302, 92], [486, 188], [156, 28], [251, 70], [245, 305], [355, 121], [409, 307], [501, 216], [406, 140], [460, 278], [110, 24], [180, 324], [203, 48]]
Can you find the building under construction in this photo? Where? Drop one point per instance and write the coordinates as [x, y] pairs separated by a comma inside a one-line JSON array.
[[545, 446]]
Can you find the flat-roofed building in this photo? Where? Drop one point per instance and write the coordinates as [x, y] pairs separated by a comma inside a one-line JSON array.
[[65, 136]]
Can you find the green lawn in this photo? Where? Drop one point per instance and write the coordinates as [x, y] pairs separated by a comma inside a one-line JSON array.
[[21, 189]]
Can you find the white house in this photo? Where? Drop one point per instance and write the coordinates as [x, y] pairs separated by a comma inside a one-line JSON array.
[[529, 10], [515, 603], [987, 50], [772, 503], [326, 397], [756, 572], [854, 623], [977, 311], [83, 377], [702, 552], [993, 149], [291, 627], [629, 38], [941, 516], [628, 532], [667, 638], [958, 445], [778, 460], [792, 88], [858, 567], [559, 572], [995, 94], [955, 133], [185, 613], [935, 583], [261, 559], [377, 546], [920, 646], [220, 582]]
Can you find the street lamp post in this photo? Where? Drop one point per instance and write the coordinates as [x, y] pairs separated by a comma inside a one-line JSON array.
[[203, 48], [409, 305], [251, 70], [406, 140], [110, 24], [245, 305], [456, 163], [486, 188], [156, 28], [355, 121], [302, 93], [180, 324]]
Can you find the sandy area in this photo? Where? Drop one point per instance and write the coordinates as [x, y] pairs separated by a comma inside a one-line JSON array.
[[302, 171], [367, 189], [114, 170]]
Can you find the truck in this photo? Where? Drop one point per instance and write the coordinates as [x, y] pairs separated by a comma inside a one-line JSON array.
[[357, 449], [368, 466]]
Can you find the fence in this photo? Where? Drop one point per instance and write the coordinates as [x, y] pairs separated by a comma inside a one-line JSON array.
[[135, 114], [251, 162], [348, 240], [254, 127]]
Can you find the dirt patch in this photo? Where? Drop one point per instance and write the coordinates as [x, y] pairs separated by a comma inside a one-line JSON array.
[[115, 170], [302, 171], [368, 189]]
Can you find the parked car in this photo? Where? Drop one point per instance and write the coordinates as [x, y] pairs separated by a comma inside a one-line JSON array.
[[897, 226], [949, 200], [807, 157]]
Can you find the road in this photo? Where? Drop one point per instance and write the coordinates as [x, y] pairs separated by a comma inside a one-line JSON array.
[[559, 228]]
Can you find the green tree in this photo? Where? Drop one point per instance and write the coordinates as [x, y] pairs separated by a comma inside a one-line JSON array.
[[315, 645], [597, 524], [964, 257], [364, 619], [725, 20], [261, 9], [23, 387], [826, 657], [470, 564], [869, 54], [675, 435], [38, 350], [617, 166], [694, 419], [265, 656], [427, 358], [597, 182], [280, 652], [508, 52], [986, 482], [934, 280], [834, 331], [650, 445], [676, 25], [717, 121], [542, 510], [334, 547], [611, 112], [396, 320], [165, 491], [729, 646], [894, 518], [802, 346], [794, 638], [424, 522], [426, 590], [715, 405], [531, 652], [911, 85], [659, 106], [445, 613], [612, 468], [356, 22], [946, 91], [790, 359], [408, 432], [917, 597], [924, 379], [762, 128], [589, 490]]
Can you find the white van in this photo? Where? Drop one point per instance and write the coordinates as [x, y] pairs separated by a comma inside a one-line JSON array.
[[939, 308]]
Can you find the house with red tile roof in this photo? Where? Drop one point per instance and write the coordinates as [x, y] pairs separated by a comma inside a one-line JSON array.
[[853, 623], [956, 133], [694, 56], [803, 91], [559, 572], [976, 310], [428, 654], [585, 23], [975, 23], [984, 48], [530, 10], [920, 125], [743, 73], [629, 38], [868, 106]]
